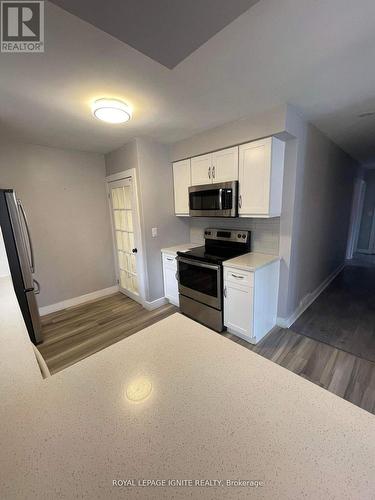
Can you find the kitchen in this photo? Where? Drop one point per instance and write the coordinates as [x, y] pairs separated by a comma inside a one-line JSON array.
[[173, 252]]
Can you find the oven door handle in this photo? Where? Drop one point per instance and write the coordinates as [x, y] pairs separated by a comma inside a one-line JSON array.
[[198, 263]]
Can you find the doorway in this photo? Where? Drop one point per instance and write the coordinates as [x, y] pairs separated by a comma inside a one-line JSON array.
[[123, 201], [366, 234]]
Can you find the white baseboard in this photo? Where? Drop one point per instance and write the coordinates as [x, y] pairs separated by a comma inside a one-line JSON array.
[[150, 306], [78, 300], [308, 300]]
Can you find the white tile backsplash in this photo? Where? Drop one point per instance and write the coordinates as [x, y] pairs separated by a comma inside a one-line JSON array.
[[265, 233]]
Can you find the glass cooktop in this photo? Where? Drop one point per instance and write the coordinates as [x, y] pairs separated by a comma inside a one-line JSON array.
[[213, 255]]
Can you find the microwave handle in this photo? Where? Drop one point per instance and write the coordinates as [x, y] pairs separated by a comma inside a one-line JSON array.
[[220, 199]]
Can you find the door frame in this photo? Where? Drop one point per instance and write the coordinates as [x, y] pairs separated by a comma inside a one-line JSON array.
[[356, 216], [131, 172], [371, 245]]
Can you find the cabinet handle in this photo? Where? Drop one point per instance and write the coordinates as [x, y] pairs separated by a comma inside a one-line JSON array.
[[213, 172], [176, 275], [240, 201], [209, 172], [170, 259], [237, 276], [225, 292]]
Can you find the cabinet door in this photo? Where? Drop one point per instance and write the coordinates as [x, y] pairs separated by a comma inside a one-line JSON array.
[[201, 170], [170, 285], [225, 165], [238, 309], [255, 178], [182, 181]]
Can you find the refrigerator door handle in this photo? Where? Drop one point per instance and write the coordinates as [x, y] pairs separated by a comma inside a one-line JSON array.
[[30, 243], [37, 287]]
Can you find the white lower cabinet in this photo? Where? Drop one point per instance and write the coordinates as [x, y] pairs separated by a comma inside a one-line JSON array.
[[238, 309], [169, 277], [250, 301]]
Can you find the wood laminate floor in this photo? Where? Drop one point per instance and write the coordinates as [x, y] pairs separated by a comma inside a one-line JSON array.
[[344, 374], [78, 332], [343, 316], [75, 333]]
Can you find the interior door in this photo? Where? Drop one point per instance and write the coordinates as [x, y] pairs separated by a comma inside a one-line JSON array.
[[124, 217]]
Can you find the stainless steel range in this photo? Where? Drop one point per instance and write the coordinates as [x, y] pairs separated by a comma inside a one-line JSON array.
[[200, 274]]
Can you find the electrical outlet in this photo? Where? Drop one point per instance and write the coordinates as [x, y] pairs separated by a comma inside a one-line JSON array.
[[154, 232]]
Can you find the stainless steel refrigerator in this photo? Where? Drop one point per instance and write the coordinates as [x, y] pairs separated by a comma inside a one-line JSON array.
[[19, 249]]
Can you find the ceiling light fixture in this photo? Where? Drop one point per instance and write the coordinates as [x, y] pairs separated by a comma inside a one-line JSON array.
[[111, 110]]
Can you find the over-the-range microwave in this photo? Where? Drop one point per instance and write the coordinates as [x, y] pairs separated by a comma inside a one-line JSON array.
[[214, 200]]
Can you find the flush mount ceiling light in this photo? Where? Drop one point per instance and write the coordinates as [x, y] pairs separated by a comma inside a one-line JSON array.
[[111, 110]]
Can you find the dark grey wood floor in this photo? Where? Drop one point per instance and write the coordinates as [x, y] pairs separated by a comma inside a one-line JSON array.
[[343, 316], [344, 374], [76, 333]]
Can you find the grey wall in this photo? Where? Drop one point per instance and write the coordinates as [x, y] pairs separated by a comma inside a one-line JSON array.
[[122, 159], [4, 268], [155, 186], [324, 184], [64, 194]]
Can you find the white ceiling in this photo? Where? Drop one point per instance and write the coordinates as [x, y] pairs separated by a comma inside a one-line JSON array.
[[315, 54]]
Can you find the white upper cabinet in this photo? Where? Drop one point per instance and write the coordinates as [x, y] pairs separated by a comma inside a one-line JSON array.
[[225, 165], [201, 167], [221, 166], [182, 182], [261, 171]]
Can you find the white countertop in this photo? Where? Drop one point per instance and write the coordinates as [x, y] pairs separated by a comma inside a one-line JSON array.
[[251, 261], [180, 248], [216, 411]]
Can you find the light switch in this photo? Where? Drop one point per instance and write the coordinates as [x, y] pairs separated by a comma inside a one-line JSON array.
[[154, 231]]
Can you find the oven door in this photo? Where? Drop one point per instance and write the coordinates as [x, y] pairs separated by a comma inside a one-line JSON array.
[[214, 200], [200, 281]]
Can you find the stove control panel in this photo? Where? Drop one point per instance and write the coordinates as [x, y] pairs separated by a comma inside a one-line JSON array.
[[234, 235]]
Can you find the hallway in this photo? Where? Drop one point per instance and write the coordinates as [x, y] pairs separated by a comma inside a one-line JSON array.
[[343, 316]]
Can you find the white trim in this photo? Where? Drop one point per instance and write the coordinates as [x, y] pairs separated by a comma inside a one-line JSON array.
[[78, 300], [141, 268], [150, 306], [356, 216], [308, 300], [120, 175]]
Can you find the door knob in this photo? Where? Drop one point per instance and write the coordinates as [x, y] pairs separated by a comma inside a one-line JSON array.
[[134, 250]]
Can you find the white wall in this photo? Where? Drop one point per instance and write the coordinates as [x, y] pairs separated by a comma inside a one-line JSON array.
[[64, 195], [155, 186], [4, 268]]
